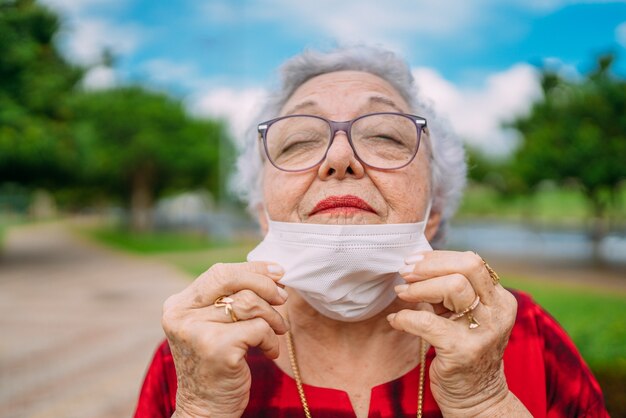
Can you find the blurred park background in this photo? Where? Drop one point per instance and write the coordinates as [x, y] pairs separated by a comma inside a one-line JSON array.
[[119, 126]]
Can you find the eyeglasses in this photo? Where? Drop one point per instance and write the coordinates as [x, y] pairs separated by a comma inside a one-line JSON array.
[[386, 140]]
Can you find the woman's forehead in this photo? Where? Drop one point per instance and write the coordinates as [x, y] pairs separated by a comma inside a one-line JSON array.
[[355, 89]]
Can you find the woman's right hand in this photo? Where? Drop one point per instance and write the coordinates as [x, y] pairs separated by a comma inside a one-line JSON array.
[[209, 348]]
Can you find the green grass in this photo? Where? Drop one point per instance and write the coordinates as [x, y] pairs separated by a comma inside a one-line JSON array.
[[197, 262], [560, 206], [595, 319], [154, 242]]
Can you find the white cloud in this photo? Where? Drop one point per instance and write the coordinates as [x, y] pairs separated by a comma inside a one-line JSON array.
[[237, 107], [88, 38], [167, 72], [620, 34], [100, 77], [356, 21], [477, 113], [86, 32], [401, 25]]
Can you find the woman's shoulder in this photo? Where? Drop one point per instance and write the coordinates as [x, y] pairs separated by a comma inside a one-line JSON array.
[[527, 308]]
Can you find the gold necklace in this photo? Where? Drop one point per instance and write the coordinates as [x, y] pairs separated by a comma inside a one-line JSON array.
[[305, 405]]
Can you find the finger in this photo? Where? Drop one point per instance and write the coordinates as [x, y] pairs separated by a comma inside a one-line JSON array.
[[441, 263], [227, 279], [248, 305], [257, 333], [454, 291], [437, 331]]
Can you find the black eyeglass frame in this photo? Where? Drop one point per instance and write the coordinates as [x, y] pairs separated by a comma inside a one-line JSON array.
[[345, 127]]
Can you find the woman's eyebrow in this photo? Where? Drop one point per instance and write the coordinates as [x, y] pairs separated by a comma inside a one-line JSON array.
[[385, 101]]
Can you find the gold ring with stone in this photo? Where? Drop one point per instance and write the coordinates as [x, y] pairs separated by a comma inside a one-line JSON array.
[[473, 323], [226, 303]]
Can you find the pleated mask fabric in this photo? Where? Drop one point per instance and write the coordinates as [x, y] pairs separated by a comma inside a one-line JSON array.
[[346, 272]]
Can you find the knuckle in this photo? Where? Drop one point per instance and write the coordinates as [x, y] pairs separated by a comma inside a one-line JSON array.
[[474, 262], [261, 326], [459, 284], [425, 322], [170, 316], [219, 275], [218, 271], [170, 304], [246, 299], [232, 361]]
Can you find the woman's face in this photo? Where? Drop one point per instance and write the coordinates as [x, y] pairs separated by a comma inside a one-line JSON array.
[[334, 192]]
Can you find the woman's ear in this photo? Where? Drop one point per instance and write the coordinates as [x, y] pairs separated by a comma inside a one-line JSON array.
[[433, 225], [262, 218]]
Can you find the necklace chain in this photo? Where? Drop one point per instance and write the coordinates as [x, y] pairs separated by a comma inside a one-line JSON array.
[[298, 378]]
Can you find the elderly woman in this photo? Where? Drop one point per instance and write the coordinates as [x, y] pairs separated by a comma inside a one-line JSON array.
[[344, 309]]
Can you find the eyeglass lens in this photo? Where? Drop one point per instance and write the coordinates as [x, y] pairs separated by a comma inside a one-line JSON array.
[[384, 141]]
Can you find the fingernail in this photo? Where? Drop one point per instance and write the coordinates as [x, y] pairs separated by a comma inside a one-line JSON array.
[[407, 269], [414, 258], [391, 316], [401, 288], [283, 293], [275, 269]]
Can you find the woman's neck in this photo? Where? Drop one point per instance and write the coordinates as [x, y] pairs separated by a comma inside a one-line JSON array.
[[332, 353]]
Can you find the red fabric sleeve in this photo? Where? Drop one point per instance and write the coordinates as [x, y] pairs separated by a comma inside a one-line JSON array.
[[158, 393], [571, 388]]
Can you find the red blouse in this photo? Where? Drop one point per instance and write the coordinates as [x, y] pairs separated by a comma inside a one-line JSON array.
[[542, 366]]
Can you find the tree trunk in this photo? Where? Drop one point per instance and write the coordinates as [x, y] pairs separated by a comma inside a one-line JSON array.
[[598, 228], [141, 200]]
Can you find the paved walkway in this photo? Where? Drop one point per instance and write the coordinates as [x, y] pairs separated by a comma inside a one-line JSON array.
[[79, 324]]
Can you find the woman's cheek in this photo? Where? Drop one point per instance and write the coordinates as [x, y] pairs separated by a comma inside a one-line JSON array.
[[282, 194]]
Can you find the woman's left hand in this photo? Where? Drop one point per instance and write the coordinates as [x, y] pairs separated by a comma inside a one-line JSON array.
[[467, 375]]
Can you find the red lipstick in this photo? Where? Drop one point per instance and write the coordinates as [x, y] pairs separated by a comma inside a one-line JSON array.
[[344, 204]]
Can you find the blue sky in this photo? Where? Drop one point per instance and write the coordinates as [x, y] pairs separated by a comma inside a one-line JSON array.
[[475, 60]]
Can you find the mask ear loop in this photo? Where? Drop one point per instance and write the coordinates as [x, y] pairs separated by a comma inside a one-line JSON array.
[[267, 215], [427, 213]]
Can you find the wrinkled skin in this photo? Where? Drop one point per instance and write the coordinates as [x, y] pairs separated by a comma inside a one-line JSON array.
[[467, 377]]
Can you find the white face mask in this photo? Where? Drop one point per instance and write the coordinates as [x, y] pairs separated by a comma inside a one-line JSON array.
[[346, 272]]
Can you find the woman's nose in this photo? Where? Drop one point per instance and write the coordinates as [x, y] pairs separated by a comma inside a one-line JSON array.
[[340, 160]]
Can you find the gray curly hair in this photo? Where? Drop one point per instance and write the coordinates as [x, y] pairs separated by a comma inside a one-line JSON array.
[[448, 164]]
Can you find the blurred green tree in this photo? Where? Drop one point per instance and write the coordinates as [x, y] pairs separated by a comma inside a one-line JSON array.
[[36, 147], [127, 143], [577, 132], [140, 143]]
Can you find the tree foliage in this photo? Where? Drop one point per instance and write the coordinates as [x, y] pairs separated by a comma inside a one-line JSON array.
[[577, 132], [139, 143], [128, 143], [36, 147]]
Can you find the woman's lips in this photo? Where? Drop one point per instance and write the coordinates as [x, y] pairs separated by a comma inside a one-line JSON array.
[[346, 204]]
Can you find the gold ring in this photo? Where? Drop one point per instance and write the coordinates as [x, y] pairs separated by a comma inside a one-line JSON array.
[[495, 279], [473, 323], [467, 310], [226, 302]]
